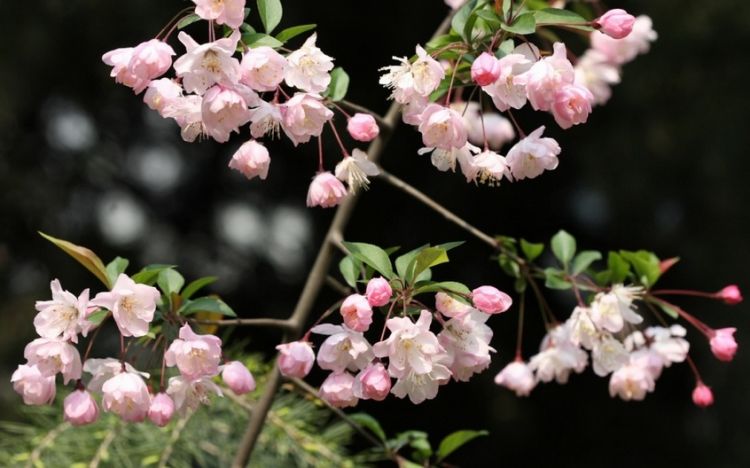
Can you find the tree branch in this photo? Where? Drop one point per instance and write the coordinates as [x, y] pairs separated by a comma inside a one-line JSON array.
[[252, 322]]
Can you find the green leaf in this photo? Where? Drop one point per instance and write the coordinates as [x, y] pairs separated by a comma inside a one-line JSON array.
[[462, 17], [524, 24], [425, 259], [555, 279], [583, 260], [564, 247], [450, 245], [188, 20], [619, 268], [270, 13], [456, 440], [260, 39], [668, 309], [339, 85], [350, 269], [443, 286], [365, 420], [371, 255], [170, 281], [294, 31], [531, 251], [505, 48], [558, 17], [98, 317], [207, 304], [197, 285], [149, 273], [645, 264], [84, 256], [490, 17], [115, 267], [403, 261], [509, 266]]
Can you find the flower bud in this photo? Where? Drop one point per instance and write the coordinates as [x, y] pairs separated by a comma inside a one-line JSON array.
[[252, 160], [723, 344], [378, 292], [517, 376], [295, 358], [325, 191], [362, 127], [373, 382], [357, 312], [80, 408], [616, 23], [485, 70], [730, 295], [161, 410], [703, 396], [238, 378], [490, 300], [338, 390]]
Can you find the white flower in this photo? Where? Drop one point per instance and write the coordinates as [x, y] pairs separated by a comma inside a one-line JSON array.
[[631, 382], [583, 332], [308, 68], [411, 347], [611, 310], [344, 349], [205, 65], [189, 394], [104, 369], [596, 73], [266, 120], [409, 80], [558, 356], [466, 339], [423, 386], [517, 376], [64, 315], [354, 170], [608, 355], [668, 343], [492, 167]]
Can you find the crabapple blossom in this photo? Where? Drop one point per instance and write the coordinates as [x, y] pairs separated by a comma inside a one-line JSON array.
[[343, 349], [730, 295], [132, 305], [229, 12], [325, 191], [194, 355], [126, 395], [303, 116], [702, 395], [611, 310], [119, 60], [442, 127], [497, 130], [355, 169], [263, 68], [205, 65], [485, 69], [445, 160], [33, 386], [357, 313], [80, 408], [238, 378], [308, 68], [372, 383], [412, 80], [266, 119], [378, 291], [509, 90], [161, 409], [491, 168], [649, 360], [362, 127], [608, 355], [518, 377], [150, 60], [631, 382], [64, 315], [411, 111], [411, 347], [547, 76], [616, 23], [161, 93], [620, 51], [223, 111], [53, 355], [572, 105], [583, 331], [251, 160], [597, 74], [102, 370], [423, 386], [295, 359], [490, 300], [533, 155], [668, 343], [723, 344], [189, 394], [557, 357], [449, 306], [466, 339], [188, 113], [338, 390]]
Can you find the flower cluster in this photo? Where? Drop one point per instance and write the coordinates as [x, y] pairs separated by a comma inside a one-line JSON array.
[[214, 93]]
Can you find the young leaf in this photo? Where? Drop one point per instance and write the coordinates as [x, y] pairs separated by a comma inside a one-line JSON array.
[[365, 420], [403, 261], [618, 268], [555, 279], [645, 264], [339, 85], [425, 259], [170, 281], [450, 245], [115, 267], [270, 13], [558, 17], [188, 20], [443, 286], [531, 251], [510, 267], [564, 247], [350, 270], [524, 24], [456, 440], [260, 39], [84, 256], [98, 317], [583, 260], [462, 19], [207, 304], [371, 255], [149, 273], [294, 31], [491, 18], [197, 285]]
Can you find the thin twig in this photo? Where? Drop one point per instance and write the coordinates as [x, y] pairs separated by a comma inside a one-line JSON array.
[[340, 288], [35, 458], [250, 322]]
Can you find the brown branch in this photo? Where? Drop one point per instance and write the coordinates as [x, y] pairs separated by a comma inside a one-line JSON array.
[[251, 322]]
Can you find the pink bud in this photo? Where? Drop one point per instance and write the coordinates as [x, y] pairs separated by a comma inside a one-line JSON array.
[[616, 23], [238, 378], [325, 191], [373, 382], [665, 265], [362, 127], [703, 396], [378, 292], [723, 344], [485, 70], [295, 358], [161, 410], [730, 295], [338, 390], [252, 160], [357, 312], [490, 300], [80, 408]]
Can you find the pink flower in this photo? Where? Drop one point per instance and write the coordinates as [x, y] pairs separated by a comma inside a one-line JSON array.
[[338, 390], [631, 382], [229, 12], [303, 117], [33, 386], [205, 65], [343, 349], [150, 60], [723, 344], [490, 168], [161, 409], [466, 339], [616, 23], [223, 111], [64, 315], [518, 377], [547, 76], [186, 111], [497, 129], [357, 312], [79, 408], [416, 81], [126, 395], [597, 74], [509, 90], [730, 295], [119, 60], [533, 155], [426, 73], [423, 386], [189, 394], [325, 191], [308, 68], [572, 105], [450, 307], [263, 68], [161, 93], [490, 300], [362, 127], [442, 127], [295, 358], [102, 370], [372, 383], [355, 169], [53, 355], [411, 347], [252, 160], [485, 70], [702, 395], [132, 305], [378, 292], [266, 119], [620, 51], [194, 355], [238, 378]]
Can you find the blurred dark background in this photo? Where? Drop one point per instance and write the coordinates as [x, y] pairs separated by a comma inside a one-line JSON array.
[[663, 166]]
